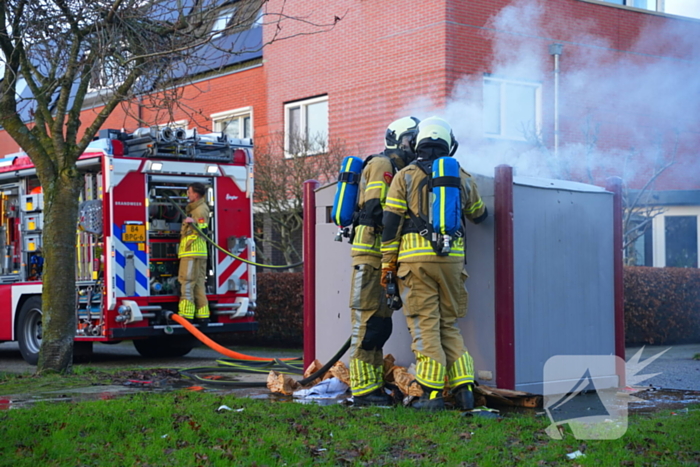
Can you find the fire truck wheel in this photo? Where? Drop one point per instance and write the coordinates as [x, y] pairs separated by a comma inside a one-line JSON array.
[[164, 346], [29, 330]]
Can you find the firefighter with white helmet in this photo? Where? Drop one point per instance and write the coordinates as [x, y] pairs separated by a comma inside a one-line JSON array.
[[371, 315], [432, 282]]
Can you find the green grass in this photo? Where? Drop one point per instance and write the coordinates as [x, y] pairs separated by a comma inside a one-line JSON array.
[[696, 356], [184, 428], [13, 383]]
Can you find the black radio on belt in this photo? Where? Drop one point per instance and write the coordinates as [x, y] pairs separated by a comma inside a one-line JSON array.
[[393, 298]]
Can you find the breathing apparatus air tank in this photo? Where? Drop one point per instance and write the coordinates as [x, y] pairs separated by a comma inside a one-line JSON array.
[[446, 215], [345, 200]]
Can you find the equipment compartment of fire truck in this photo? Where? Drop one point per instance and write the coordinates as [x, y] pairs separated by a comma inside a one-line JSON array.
[[127, 239]]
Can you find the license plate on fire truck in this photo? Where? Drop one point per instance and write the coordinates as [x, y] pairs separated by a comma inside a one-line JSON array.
[[134, 233]]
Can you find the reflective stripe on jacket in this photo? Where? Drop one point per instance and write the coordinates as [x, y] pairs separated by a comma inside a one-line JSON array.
[[374, 185], [400, 241], [191, 243]]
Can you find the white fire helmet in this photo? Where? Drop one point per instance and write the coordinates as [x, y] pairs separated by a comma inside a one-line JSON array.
[[399, 129], [436, 130]]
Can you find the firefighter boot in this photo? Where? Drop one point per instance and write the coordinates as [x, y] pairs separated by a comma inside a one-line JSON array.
[[376, 397], [430, 400], [202, 322], [464, 396]]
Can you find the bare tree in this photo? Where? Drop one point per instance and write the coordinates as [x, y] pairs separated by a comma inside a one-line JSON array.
[[279, 179], [579, 163], [640, 205], [113, 49]]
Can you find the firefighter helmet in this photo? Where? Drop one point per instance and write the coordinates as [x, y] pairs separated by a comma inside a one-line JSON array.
[[436, 131], [398, 129]]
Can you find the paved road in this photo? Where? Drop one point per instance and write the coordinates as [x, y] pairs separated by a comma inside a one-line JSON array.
[[124, 355], [676, 367]]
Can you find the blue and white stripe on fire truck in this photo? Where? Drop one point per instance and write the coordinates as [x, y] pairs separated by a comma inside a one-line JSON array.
[[140, 265]]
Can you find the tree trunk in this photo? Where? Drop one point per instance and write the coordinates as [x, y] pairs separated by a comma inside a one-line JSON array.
[[58, 298]]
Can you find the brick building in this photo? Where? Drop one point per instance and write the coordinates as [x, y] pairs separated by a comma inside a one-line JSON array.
[[575, 89]]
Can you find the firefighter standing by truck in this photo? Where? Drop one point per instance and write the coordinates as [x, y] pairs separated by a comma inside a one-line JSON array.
[[432, 277], [371, 315], [192, 252]]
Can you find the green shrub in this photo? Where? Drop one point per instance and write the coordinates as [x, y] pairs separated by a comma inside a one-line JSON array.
[[662, 305]]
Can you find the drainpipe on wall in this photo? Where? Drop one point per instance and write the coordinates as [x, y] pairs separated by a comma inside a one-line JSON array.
[[556, 50]]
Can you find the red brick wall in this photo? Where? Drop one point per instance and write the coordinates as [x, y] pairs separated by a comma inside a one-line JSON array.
[[198, 101], [377, 59]]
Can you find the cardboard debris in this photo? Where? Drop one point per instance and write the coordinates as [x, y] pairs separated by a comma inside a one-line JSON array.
[[405, 381], [281, 384], [340, 371], [389, 363], [496, 396], [313, 368]]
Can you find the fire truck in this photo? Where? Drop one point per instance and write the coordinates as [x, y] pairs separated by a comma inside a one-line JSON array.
[[127, 239]]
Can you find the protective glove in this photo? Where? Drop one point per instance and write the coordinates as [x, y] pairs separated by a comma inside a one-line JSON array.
[[387, 268]]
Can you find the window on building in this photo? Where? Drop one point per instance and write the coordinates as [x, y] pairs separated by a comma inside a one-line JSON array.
[[681, 235], [235, 19], [511, 108], [110, 71], [640, 251], [675, 237], [689, 8], [306, 126], [222, 22], [236, 123]]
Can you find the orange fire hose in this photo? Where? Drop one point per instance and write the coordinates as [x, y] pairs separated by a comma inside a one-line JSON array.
[[219, 348]]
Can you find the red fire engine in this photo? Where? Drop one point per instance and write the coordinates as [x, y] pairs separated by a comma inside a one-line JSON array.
[[127, 240]]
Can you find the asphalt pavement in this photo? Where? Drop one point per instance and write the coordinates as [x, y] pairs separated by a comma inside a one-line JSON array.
[[125, 356], [672, 367]]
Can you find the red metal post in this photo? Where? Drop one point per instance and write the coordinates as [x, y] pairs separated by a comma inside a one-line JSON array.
[[614, 185], [504, 280], [309, 255]]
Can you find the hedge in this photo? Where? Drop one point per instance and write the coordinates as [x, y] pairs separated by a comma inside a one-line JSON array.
[[279, 313], [662, 305]]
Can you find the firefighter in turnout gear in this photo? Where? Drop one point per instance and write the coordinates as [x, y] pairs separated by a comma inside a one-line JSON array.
[[193, 258], [432, 282], [371, 315]]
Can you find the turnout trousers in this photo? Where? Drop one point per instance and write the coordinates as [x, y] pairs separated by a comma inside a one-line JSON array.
[[371, 328], [192, 277], [434, 297]]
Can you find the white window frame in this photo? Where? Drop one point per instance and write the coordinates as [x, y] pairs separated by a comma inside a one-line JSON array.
[[241, 113], [303, 104], [659, 9], [221, 22], [659, 231], [109, 75], [503, 106]]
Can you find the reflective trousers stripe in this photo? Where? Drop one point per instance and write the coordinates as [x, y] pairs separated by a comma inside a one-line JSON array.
[[461, 371], [365, 378], [429, 373], [192, 277]]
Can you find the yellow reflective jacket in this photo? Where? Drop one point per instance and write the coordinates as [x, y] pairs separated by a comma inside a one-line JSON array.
[[374, 185], [400, 243], [191, 243]]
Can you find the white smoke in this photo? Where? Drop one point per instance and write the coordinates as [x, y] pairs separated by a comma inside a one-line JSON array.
[[623, 114]]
